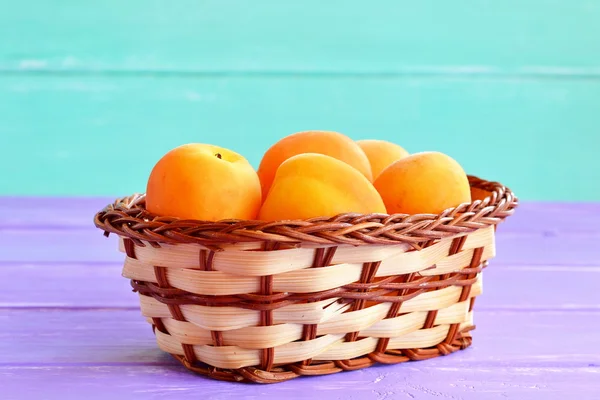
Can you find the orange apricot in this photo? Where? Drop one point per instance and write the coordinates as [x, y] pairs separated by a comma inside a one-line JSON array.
[[423, 183], [329, 143], [315, 185], [381, 153], [205, 182]]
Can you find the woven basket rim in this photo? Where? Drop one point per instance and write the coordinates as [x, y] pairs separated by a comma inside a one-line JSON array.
[[127, 217]]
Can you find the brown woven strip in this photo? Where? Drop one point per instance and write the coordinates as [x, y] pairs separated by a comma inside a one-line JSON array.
[[161, 277], [258, 376], [129, 248], [322, 258], [379, 354], [127, 217], [280, 374], [205, 262], [455, 248], [321, 368], [309, 332], [445, 346], [188, 351], [457, 245], [367, 275], [158, 324], [430, 320], [163, 283], [379, 292], [266, 319], [270, 246], [175, 310], [421, 354], [475, 262], [471, 304], [354, 364], [130, 252], [382, 343], [217, 337]]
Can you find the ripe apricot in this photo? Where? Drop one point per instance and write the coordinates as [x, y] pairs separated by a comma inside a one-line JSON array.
[[381, 153], [329, 143], [427, 183], [315, 185], [205, 182]]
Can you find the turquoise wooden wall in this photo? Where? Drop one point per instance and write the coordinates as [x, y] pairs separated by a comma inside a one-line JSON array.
[[93, 93]]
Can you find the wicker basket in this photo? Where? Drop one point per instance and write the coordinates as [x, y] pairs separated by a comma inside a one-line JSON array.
[[268, 302]]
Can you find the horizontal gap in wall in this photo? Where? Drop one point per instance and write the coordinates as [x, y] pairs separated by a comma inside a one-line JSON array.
[[542, 73]]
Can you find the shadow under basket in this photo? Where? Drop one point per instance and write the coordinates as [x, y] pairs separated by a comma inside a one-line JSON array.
[[268, 302]]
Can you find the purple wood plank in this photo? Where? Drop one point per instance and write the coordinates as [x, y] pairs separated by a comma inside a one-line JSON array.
[[51, 245], [108, 337], [88, 245], [61, 213], [100, 285], [560, 250], [554, 218], [89, 336], [50, 212], [66, 285], [539, 288], [416, 381]]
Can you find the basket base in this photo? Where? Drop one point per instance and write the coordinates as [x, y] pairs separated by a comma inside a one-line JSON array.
[[290, 371]]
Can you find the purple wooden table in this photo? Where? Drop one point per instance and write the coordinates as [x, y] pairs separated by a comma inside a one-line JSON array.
[[71, 328]]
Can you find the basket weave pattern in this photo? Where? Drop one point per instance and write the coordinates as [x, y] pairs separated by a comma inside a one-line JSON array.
[[268, 302]]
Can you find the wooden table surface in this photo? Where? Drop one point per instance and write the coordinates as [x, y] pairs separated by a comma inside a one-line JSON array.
[[70, 327]]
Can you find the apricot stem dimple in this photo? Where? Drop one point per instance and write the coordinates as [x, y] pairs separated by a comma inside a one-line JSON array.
[[218, 155]]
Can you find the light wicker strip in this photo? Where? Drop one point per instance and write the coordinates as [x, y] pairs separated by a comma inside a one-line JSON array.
[[260, 263], [230, 318], [370, 324], [309, 280], [327, 347]]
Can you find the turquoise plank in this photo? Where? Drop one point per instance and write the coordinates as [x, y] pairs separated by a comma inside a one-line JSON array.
[[512, 36], [102, 135]]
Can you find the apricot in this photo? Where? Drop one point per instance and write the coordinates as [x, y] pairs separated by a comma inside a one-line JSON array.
[[381, 153], [205, 182], [333, 144], [423, 183], [315, 185]]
